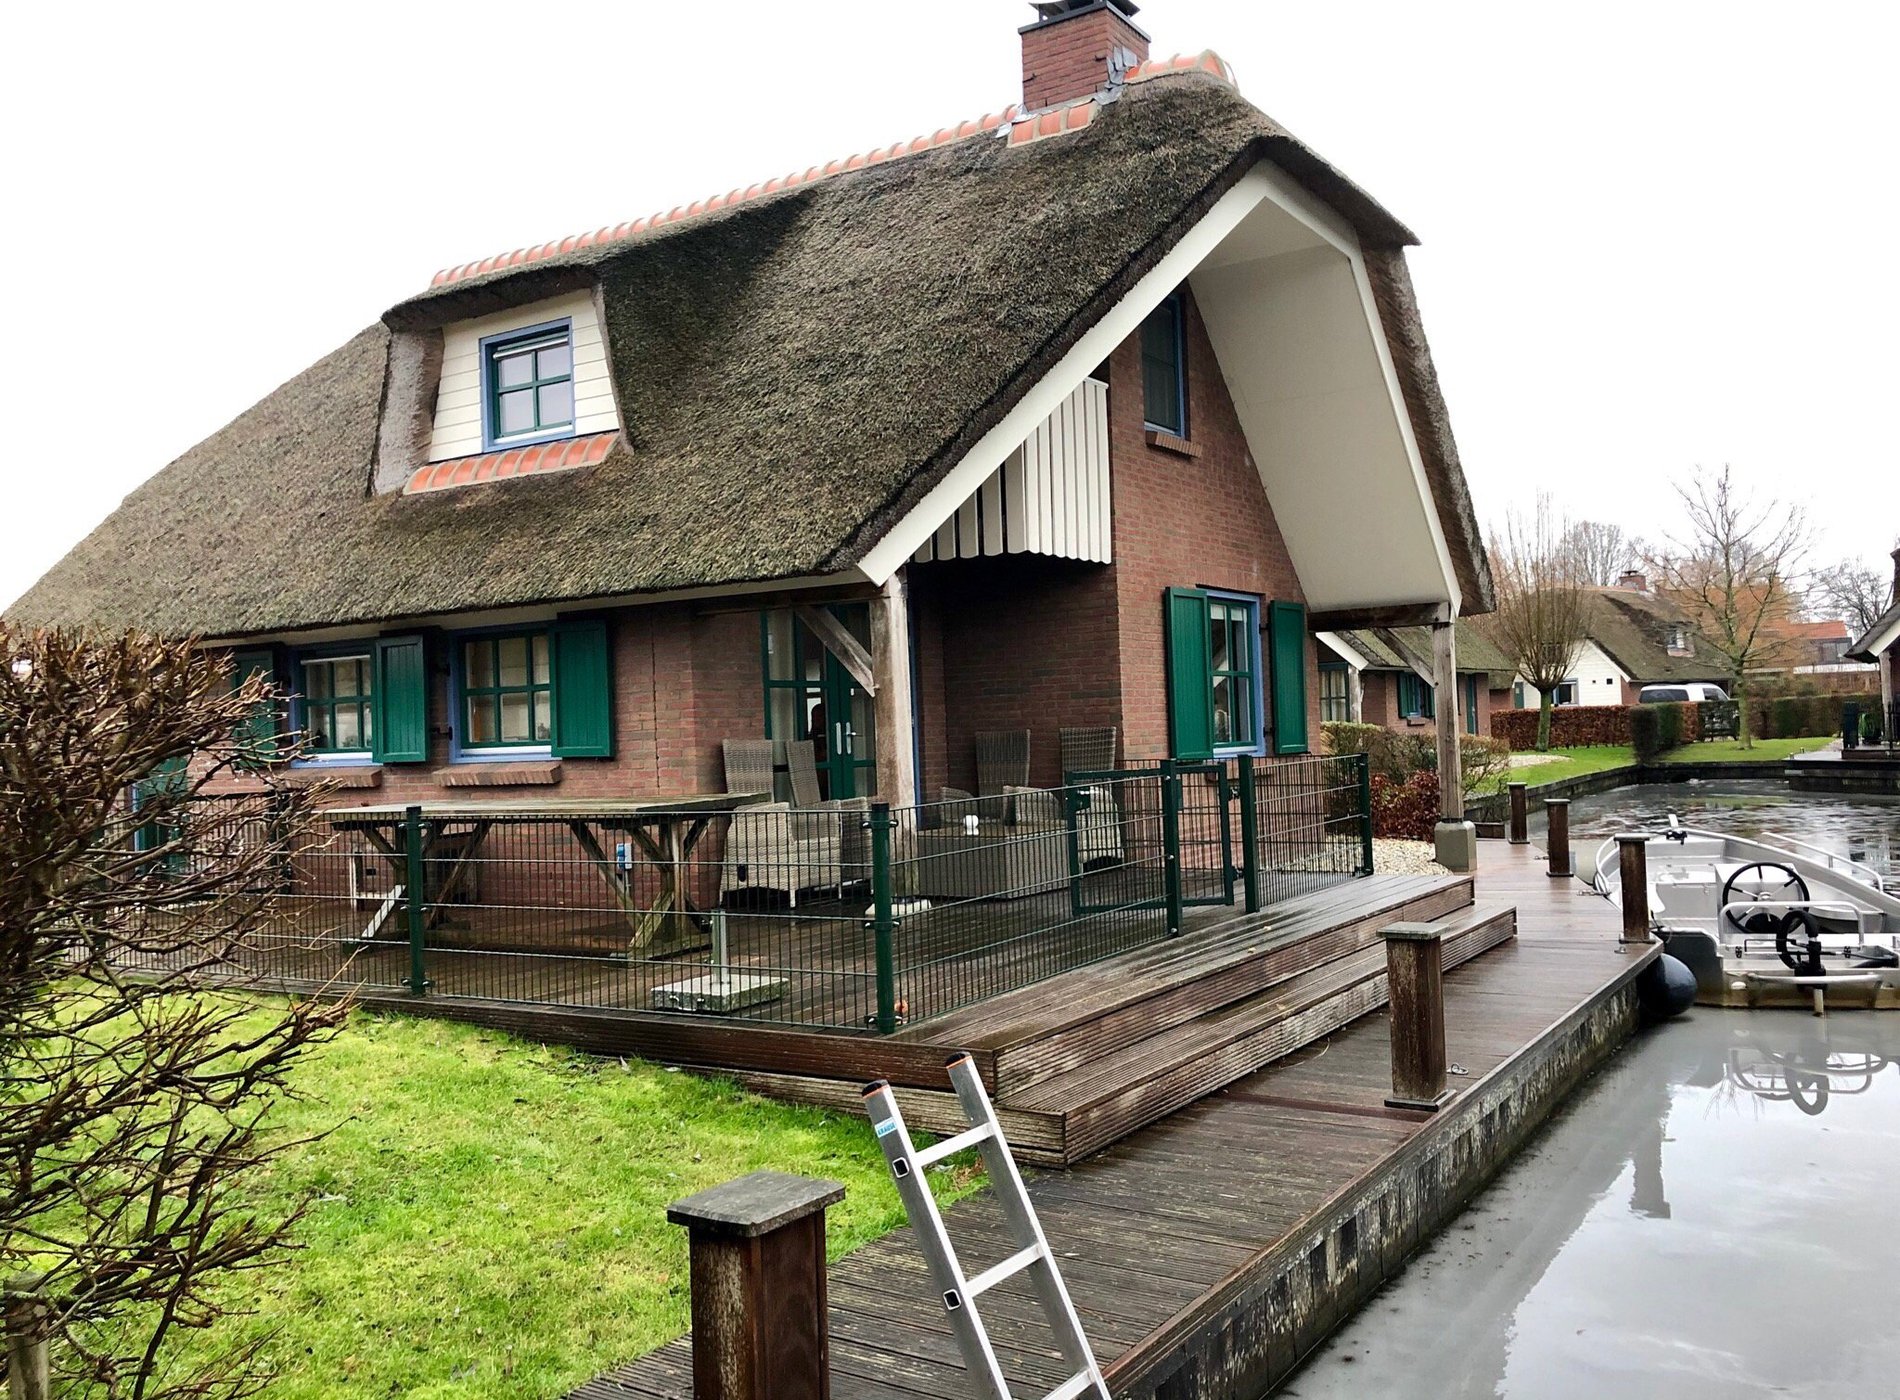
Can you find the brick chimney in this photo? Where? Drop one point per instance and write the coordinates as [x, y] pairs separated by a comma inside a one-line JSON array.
[[1634, 580], [1067, 52]]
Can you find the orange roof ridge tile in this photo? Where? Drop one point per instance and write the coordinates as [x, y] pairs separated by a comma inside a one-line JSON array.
[[563, 454], [1021, 128]]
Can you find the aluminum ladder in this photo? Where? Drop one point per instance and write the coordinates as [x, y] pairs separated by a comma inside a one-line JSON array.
[[957, 1290]]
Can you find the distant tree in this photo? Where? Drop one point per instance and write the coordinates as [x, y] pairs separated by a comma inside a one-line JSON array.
[[1734, 566], [1602, 551], [1541, 619], [132, 1099], [1853, 590]]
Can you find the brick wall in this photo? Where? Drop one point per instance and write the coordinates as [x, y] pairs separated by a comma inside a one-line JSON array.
[[1185, 521], [1069, 59]]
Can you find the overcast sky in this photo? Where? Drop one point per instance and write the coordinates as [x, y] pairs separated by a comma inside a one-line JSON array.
[[1654, 235]]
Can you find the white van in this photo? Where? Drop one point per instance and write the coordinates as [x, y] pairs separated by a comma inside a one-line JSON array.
[[1680, 694]]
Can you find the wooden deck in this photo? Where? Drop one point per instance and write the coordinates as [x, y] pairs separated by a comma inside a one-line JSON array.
[[1208, 1252]]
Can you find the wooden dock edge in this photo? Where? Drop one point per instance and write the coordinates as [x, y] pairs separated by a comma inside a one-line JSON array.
[[1252, 1330]]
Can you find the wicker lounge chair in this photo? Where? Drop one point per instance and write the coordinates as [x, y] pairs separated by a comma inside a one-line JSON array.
[[778, 847], [1090, 750], [801, 763], [1002, 761], [749, 766]]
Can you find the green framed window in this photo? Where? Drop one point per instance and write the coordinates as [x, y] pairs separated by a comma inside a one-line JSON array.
[[1335, 692], [1164, 368], [338, 700], [1215, 702], [507, 691], [1233, 657], [1416, 700], [528, 384]]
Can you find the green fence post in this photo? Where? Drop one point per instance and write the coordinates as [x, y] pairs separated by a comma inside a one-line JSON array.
[[1249, 836], [414, 898], [1364, 764], [882, 921], [1171, 842]]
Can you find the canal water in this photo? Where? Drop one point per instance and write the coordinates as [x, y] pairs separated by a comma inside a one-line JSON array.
[[1713, 1215], [1867, 828]]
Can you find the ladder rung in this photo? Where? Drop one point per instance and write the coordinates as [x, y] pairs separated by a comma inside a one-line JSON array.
[[950, 1146], [1072, 1387], [996, 1273]]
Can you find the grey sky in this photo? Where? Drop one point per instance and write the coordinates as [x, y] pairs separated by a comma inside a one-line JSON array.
[[1654, 234]]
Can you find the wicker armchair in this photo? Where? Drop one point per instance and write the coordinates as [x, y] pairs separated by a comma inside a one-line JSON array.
[[776, 846]]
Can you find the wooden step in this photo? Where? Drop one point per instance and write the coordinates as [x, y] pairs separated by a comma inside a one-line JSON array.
[[1107, 1009], [1106, 1099]]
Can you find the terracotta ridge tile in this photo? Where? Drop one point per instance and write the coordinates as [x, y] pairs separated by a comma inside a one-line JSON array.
[[562, 454]]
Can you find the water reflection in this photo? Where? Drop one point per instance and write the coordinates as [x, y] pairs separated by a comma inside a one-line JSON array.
[[1721, 1159], [1865, 828]]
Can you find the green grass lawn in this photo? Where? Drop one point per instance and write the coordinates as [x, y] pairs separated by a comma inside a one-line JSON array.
[[490, 1215], [1731, 751], [1574, 763]]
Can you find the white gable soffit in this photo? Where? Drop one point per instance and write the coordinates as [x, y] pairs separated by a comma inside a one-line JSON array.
[[1345, 653], [1283, 289]]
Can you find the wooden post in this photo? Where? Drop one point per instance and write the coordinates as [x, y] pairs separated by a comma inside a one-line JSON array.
[[1520, 813], [757, 1248], [1557, 836], [1632, 857], [1451, 782], [1415, 976], [890, 661], [29, 1366]]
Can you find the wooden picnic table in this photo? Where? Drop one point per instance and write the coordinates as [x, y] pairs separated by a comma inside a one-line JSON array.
[[665, 829]]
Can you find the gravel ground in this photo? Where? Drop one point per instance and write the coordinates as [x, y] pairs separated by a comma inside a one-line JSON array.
[[1390, 857]]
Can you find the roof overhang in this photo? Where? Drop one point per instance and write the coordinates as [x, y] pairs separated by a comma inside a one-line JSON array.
[[1282, 286], [1881, 637]]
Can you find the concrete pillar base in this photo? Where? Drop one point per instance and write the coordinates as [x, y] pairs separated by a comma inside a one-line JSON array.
[[1456, 845]]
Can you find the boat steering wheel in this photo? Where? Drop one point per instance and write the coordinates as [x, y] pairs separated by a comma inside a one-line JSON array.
[[1773, 883]]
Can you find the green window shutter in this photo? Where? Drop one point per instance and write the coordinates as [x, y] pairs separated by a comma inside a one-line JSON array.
[[1190, 680], [399, 708], [1286, 630], [257, 736], [583, 691]]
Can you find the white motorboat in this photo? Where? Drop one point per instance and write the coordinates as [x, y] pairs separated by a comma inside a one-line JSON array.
[[1768, 920]]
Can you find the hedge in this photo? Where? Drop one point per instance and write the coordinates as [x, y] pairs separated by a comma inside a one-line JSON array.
[[1631, 726], [1656, 729], [1803, 716], [1407, 810], [1571, 726]]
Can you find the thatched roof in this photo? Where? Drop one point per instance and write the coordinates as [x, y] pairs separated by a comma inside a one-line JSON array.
[[793, 373], [1633, 630]]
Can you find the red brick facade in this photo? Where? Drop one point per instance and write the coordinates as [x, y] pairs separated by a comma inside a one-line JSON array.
[[1379, 704], [1068, 58]]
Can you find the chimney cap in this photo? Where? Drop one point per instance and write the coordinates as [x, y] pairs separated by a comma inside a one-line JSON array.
[[1055, 11], [1633, 579]]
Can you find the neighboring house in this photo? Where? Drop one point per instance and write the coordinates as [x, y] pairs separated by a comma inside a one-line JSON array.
[[1633, 638], [1079, 414], [1383, 675], [1818, 649], [1880, 645]]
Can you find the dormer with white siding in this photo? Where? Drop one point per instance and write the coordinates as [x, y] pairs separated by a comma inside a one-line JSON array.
[[514, 392]]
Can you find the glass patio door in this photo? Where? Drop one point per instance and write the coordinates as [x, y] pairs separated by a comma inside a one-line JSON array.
[[809, 695]]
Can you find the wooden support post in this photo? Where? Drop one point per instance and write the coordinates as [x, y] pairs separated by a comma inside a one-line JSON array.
[[1520, 813], [757, 1253], [1557, 836], [1632, 858], [1451, 785], [890, 663], [29, 1366], [1415, 977]]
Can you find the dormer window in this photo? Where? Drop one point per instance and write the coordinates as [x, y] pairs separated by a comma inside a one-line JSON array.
[[1679, 641], [528, 384]]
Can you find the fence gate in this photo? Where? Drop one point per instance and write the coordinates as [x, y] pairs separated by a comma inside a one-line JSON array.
[[1122, 819]]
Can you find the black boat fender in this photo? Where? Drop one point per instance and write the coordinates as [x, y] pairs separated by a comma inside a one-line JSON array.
[[1664, 989]]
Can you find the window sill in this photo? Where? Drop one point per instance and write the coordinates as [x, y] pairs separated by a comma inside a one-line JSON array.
[[366, 774], [540, 772], [1168, 442]]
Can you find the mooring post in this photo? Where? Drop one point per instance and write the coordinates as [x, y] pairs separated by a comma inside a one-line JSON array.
[[1632, 858], [1557, 836], [1415, 979], [29, 1366], [757, 1257], [1520, 813]]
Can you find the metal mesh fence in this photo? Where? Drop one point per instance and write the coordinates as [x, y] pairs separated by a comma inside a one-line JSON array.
[[839, 917]]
